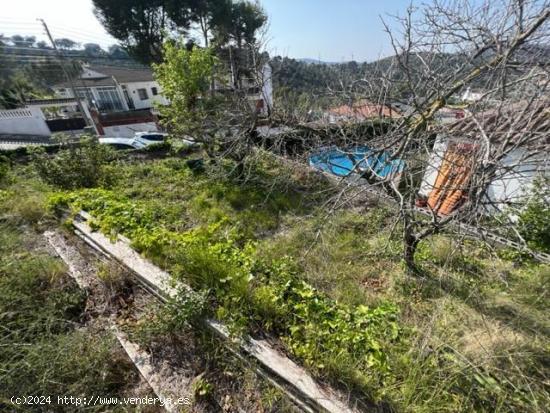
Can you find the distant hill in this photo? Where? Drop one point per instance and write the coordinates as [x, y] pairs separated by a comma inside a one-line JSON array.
[[296, 79], [317, 61]]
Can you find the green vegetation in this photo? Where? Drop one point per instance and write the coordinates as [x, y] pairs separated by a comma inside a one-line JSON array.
[[152, 23], [4, 167], [534, 219], [44, 352], [185, 77], [471, 335], [76, 166]]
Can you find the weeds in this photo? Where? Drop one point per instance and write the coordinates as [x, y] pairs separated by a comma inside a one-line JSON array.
[[42, 351], [212, 258], [4, 167], [340, 301], [83, 165], [534, 219]]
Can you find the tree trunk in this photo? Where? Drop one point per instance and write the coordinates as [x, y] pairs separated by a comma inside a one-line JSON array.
[[409, 251]]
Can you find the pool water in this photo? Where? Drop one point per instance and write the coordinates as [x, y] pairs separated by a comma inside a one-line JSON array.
[[356, 160]]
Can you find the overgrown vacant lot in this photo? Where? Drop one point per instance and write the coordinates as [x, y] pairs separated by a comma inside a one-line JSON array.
[[470, 335], [46, 349]]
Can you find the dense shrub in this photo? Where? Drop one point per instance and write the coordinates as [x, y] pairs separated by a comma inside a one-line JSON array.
[[534, 219], [82, 165]]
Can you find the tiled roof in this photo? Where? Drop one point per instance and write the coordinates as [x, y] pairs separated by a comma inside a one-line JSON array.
[[121, 74], [363, 110]]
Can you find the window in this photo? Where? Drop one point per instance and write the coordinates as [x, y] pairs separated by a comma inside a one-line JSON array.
[[109, 99], [154, 91], [143, 94], [153, 137]]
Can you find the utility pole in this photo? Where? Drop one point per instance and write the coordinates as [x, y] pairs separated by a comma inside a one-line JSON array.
[[68, 76]]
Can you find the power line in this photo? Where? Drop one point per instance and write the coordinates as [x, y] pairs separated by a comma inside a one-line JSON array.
[[47, 52], [69, 78], [60, 31]]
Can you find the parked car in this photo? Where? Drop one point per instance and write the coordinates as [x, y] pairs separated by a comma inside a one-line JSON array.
[[155, 137], [152, 137], [140, 140], [122, 143]]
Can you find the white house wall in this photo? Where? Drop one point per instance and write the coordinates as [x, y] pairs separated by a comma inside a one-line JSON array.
[[132, 89], [512, 185], [434, 163], [515, 183], [25, 121], [150, 101]]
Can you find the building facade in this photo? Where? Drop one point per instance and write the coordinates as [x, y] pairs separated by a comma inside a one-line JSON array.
[[112, 89]]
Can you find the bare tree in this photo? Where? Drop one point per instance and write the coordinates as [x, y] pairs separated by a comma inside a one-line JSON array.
[[492, 58]]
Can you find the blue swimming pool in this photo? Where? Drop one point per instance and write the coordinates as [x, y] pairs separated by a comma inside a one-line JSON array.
[[356, 160]]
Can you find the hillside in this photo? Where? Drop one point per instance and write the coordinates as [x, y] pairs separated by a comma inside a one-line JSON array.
[[333, 293]]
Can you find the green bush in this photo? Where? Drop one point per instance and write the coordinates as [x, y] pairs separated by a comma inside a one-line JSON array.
[[4, 167], [534, 219], [164, 146], [82, 165]]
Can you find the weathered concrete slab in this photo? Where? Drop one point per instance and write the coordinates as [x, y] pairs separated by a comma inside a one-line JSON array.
[[172, 388], [122, 252], [276, 367], [78, 267]]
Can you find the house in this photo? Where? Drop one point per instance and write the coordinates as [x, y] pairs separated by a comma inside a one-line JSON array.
[[258, 88], [359, 111], [40, 118], [522, 135], [114, 88]]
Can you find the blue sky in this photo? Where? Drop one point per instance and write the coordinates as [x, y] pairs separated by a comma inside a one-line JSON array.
[[332, 30]]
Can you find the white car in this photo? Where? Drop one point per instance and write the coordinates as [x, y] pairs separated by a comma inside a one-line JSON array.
[[154, 137], [139, 141]]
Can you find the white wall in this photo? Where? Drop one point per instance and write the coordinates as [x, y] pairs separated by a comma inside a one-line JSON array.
[[512, 184], [132, 89], [515, 182], [267, 87], [435, 160], [127, 131], [25, 121], [148, 103]]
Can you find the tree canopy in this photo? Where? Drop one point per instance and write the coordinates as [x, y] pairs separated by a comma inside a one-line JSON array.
[[143, 25], [65, 43]]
